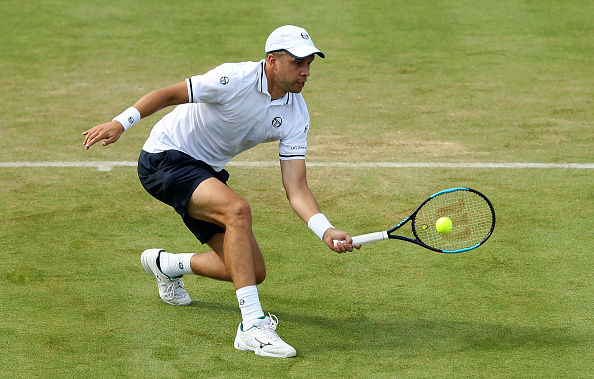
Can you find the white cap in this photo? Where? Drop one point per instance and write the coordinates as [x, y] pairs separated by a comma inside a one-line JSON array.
[[293, 39]]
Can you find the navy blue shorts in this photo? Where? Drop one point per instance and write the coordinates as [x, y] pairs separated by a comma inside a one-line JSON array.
[[172, 177]]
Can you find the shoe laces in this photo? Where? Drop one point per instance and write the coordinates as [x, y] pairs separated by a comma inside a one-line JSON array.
[[269, 329], [175, 289]]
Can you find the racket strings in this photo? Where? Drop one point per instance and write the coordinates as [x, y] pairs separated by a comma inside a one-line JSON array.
[[471, 215]]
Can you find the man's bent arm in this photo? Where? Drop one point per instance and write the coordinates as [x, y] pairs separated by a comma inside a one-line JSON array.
[[150, 103], [162, 98]]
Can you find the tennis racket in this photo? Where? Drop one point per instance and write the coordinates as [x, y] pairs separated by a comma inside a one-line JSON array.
[[472, 215]]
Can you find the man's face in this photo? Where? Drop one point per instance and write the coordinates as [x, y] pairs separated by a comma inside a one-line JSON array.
[[291, 73]]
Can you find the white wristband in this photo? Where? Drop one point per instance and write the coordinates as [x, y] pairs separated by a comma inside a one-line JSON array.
[[318, 223], [128, 117]]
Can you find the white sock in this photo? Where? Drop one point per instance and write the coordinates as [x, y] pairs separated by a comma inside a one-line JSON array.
[[174, 265], [249, 304]]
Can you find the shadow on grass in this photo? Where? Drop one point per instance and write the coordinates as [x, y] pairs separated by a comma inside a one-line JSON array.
[[410, 335]]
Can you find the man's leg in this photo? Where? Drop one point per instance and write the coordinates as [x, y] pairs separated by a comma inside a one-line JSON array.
[[239, 259], [212, 265], [236, 249]]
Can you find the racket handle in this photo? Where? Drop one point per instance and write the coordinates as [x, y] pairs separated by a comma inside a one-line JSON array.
[[368, 238], [371, 237]]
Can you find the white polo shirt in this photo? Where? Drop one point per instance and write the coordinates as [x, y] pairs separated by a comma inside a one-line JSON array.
[[230, 111]]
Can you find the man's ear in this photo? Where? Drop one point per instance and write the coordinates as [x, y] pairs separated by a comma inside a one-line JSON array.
[[272, 60]]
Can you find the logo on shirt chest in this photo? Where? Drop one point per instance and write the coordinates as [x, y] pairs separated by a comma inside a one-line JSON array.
[[277, 122]]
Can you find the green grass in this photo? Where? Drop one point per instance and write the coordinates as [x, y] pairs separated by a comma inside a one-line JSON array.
[[423, 81]]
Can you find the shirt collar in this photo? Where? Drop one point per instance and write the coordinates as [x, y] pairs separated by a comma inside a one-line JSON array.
[[263, 87]]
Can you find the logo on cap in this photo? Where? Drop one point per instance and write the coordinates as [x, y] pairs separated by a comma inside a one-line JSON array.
[[224, 80], [304, 35]]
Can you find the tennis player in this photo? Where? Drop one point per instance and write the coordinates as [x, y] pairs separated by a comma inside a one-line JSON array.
[[218, 115]]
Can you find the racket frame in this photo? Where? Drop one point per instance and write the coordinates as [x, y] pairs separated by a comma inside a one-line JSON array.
[[387, 234]]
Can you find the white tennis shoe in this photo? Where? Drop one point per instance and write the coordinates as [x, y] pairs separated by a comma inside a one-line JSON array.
[[171, 290], [263, 340]]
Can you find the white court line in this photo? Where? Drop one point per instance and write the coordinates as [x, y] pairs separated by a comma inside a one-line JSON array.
[[107, 166]]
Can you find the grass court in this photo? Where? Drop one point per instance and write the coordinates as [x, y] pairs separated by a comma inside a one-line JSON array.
[[432, 81]]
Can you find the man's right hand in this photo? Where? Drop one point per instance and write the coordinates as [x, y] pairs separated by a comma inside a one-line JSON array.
[[109, 132]]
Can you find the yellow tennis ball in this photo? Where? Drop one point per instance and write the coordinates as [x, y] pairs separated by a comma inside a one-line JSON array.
[[443, 225]]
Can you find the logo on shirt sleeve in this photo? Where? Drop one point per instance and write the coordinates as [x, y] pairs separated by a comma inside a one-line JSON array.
[[224, 80]]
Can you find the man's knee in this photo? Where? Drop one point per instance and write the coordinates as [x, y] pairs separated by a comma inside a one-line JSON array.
[[239, 214]]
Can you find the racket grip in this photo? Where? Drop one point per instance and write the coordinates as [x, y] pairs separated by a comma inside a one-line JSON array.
[[368, 238], [371, 237]]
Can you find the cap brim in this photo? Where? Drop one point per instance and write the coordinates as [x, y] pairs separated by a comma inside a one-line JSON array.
[[304, 52]]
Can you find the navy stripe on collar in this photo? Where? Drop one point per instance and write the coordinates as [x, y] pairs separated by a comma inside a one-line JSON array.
[[191, 91], [262, 78]]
